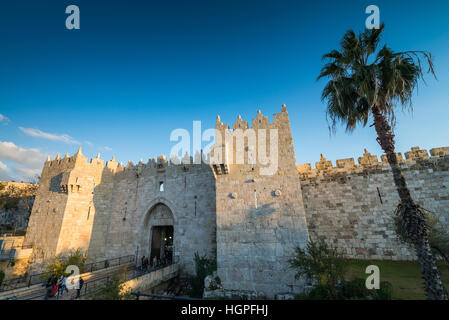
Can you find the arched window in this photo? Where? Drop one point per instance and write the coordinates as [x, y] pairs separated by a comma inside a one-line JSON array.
[[161, 186]]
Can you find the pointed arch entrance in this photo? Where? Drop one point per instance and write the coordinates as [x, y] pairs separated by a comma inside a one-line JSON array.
[[158, 237]]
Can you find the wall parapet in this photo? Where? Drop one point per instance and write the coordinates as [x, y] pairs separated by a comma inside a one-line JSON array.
[[368, 161]]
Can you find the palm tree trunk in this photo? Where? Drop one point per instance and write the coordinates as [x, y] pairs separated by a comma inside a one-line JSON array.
[[413, 219]]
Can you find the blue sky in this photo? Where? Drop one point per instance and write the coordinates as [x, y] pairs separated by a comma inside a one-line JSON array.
[[136, 70]]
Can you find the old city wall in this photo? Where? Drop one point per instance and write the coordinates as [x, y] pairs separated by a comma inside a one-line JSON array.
[[260, 218], [44, 227], [108, 210], [351, 206], [186, 201]]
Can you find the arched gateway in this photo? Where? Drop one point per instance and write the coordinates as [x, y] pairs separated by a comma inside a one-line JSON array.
[[157, 239]]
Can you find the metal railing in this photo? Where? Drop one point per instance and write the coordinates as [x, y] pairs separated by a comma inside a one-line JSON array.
[[13, 233], [8, 249], [138, 294], [141, 270], [90, 287], [93, 286], [29, 280]]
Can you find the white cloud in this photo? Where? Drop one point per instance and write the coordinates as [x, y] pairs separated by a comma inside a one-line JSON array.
[[49, 136], [107, 148], [27, 173], [3, 171], [27, 162], [4, 119]]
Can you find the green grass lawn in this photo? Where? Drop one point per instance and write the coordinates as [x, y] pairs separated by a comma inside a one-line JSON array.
[[404, 276]]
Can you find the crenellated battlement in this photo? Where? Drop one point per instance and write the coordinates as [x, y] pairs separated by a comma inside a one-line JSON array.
[[280, 120], [79, 161], [264, 147], [368, 161]]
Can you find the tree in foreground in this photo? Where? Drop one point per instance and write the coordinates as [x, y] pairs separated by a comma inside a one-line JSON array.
[[365, 83]]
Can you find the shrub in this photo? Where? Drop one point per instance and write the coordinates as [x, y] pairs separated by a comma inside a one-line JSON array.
[[355, 289], [203, 268], [58, 265], [319, 292], [11, 204], [437, 233], [385, 292], [323, 264], [113, 289]]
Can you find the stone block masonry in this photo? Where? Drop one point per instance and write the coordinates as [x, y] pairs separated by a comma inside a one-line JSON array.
[[260, 218], [351, 206], [109, 210], [235, 212]]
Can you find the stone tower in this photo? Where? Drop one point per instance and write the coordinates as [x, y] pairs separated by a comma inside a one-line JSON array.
[[260, 212], [64, 211]]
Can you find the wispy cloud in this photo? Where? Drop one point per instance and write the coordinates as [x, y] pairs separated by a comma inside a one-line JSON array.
[[49, 136], [3, 119], [107, 148], [27, 162]]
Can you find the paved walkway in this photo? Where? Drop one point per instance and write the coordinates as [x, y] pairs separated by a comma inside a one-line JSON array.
[[97, 279]]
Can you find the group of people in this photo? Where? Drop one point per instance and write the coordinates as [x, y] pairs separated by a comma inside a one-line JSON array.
[[56, 286], [146, 263], [155, 262]]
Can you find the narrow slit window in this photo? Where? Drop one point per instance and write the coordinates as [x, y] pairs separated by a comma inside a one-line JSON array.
[[161, 186], [255, 198]]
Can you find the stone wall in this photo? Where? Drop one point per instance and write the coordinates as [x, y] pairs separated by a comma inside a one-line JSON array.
[[150, 280], [20, 258], [237, 209], [260, 218], [189, 196], [351, 206], [105, 209]]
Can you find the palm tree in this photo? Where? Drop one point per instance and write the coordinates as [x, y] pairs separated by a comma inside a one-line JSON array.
[[363, 82]]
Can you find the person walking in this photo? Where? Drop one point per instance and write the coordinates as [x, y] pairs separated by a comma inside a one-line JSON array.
[[62, 285], [143, 262], [155, 262], [80, 286]]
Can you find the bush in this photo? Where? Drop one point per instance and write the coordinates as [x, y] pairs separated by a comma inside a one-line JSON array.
[[11, 203], [203, 268], [319, 292], [327, 267], [437, 233], [355, 289], [323, 264], [113, 289], [385, 292], [58, 265]]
